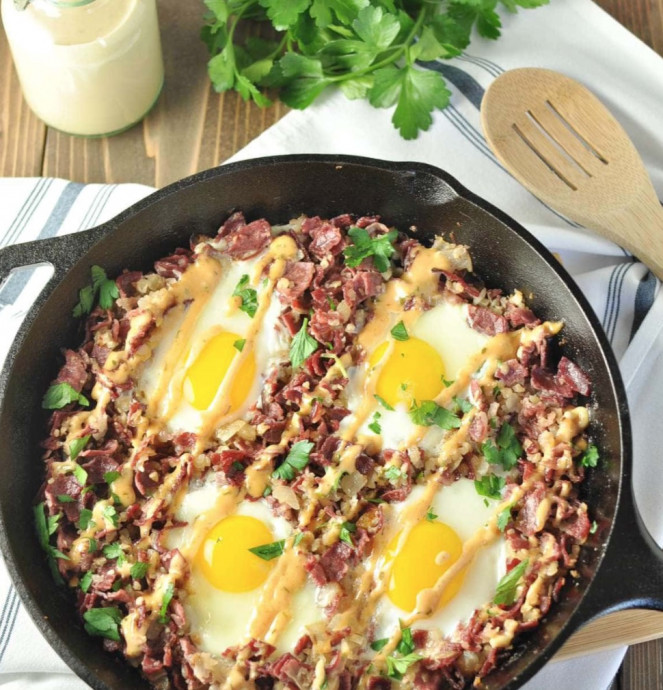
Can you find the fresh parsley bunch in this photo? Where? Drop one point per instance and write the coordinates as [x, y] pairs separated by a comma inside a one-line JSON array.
[[368, 48]]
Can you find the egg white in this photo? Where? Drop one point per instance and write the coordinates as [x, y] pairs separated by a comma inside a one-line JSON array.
[[218, 619], [270, 345], [460, 507]]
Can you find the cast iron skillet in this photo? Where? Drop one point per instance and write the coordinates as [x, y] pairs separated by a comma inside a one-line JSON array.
[[620, 568]]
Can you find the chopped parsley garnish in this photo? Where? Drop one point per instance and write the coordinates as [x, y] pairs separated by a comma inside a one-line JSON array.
[[295, 462], [237, 466], [46, 527], [503, 518], [61, 394], [590, 457], [248, 295], [461, 404], [447, 383], [110, 477], [505, 594], [85, 518], [103, 622], [63, 498], [374, 426], [111, 515], [431, 516], [378, 645], [397, 666], [267, 491], [393, 473], [239, 344], [594, 527], [86, 581], [363, 246], [92, 545], [277, 548], [506, 452], [429, 413], [102, 287], [77, 445], [347, 529], [383, 402], [406, 643], [399, 332], [490, 486], [167, 596], [80, 474], [115, 551], [139, 570], [302, 346]]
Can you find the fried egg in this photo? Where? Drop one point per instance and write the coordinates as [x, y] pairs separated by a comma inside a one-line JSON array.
[[227, 580], [215, 341], [456, 513], [438, 347]]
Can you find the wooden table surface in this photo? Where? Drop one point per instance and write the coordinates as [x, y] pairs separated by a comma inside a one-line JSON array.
[[193, 128]]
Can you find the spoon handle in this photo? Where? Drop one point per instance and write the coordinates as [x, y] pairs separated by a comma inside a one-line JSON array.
[[638, 228]]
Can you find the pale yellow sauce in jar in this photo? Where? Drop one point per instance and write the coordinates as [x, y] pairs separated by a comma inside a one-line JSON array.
[[88, 68]]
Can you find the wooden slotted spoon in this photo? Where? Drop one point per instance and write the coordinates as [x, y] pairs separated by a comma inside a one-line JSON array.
[[558, 140]]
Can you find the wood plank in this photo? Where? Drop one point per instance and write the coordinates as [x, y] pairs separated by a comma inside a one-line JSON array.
[[643, 667], [22, 134], [190, 129]]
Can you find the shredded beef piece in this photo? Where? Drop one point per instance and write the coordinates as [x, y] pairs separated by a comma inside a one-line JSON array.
[[511, 372], [126, 282], [74, 370], [98, 466], [326, 240], [468, 285], [520, 316], [246, 241], [173, 266], [296, 280], [571, 374], [486, 321]]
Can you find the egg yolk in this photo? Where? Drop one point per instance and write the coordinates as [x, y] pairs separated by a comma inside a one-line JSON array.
[[224, 557], [210, 367], [413, 371], [429, 551]]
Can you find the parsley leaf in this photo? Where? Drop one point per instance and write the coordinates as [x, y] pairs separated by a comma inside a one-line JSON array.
[[61, 394], [106, 288], [139, 570], [503, 518], [77, 445], [111, 515], [428, 413], [269, 551], [393, 473], [431, 516], [505, 594], [103, 622], [167, 596], [406, 643], [248, 295], [85, 581], [378, 645], [114, 550], [399, 332], [590, 457], [383, 402], [239, 344], [506, 452], [63, 498], [102, 287], [461, 405], [302, 346], [367, 49], [296, 461], [84, 518], [347, 529], [374, 426], [397, 666], [46, 528], [110, 477], [379, 248], [490, 486]]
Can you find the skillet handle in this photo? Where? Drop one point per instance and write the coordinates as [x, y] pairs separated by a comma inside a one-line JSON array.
[[60, 252], [631, 575]]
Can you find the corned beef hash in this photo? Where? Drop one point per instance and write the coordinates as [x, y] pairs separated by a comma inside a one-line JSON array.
[[313, 455]]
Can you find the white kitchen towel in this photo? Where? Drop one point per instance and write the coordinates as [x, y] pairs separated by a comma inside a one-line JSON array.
[[572, 36]]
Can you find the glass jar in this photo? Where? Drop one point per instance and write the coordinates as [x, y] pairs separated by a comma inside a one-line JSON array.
[[87, 67]]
